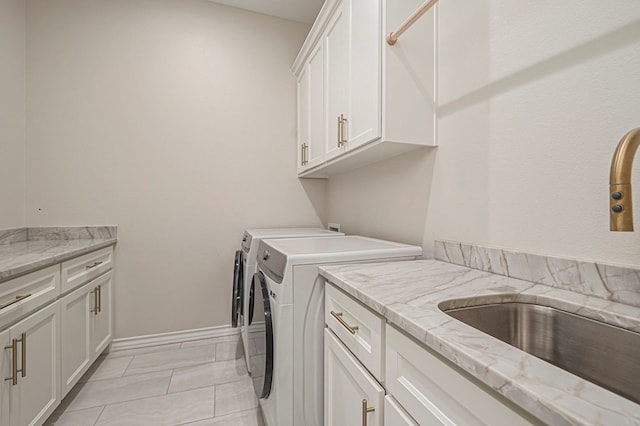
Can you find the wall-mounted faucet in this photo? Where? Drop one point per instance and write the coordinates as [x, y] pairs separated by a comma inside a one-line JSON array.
[[620, 182]]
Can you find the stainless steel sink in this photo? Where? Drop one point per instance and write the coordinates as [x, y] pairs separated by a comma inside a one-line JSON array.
[[606, 355]]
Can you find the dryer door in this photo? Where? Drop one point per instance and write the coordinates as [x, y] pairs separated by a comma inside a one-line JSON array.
[[260, 336], [237, 293]]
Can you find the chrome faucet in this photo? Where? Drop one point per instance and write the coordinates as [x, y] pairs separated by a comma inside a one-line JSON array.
[[620, 182]]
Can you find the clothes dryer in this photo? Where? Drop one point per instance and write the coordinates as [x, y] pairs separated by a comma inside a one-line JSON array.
[[286, 320], [245, 265]]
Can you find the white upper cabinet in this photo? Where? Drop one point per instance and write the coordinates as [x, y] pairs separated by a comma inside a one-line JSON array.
[[336, 43], [311, 111], [374, 101]]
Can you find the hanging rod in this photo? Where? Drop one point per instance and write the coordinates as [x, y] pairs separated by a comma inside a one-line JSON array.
[[393, 36]]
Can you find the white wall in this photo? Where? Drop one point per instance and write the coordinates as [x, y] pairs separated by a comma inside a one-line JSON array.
[[533, 99], [174, 120], [12, 113]]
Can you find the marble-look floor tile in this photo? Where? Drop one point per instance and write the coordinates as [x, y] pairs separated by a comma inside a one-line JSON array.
[[165, 410], [207, 375], [111, 391], [107, 368], [244, 418], [176, 358], [85, 417], [213, 340], [229, 350], [234, 397], [141, 351]]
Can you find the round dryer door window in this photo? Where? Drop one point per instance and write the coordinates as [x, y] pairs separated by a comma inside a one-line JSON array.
[[260, 333], [238, 289]]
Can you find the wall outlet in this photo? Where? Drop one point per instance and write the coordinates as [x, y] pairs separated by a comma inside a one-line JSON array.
[[334, 227]]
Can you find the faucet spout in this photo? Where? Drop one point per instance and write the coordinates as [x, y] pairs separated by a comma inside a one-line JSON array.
[[620, 182]]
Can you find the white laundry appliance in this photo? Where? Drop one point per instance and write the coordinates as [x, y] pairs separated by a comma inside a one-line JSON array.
[[285, 320], [245, 265]]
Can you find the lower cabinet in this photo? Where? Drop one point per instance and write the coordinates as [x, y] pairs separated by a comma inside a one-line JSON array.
[[75, 314], [86, 328], [101, 324], [422, 387], [5, 372], [44, 351], [30, 368], [352, 395], [395, 415]]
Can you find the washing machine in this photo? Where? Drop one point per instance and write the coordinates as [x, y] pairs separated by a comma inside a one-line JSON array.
[[285, 320], [245, 265]]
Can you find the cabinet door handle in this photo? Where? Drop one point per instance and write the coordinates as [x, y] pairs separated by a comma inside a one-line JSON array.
[[14, 362], [93, 265], [366, 410], [302, 155], [340, 130], [23, 340], [99, 298], [95, 309], [338, 317], [16, 300], [342, 140]]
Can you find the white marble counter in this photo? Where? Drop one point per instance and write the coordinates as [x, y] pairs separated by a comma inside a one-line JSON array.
[[408, 294], [19, 258]]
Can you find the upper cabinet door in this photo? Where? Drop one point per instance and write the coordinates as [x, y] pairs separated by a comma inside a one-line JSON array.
[[317, 130], [378, 101], [337, 78], [303, 117], [365, 85]]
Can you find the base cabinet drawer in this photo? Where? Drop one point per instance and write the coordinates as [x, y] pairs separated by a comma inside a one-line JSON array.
[[434, 391], [352, 396], [25, 294], [360, 329], [82, 269]]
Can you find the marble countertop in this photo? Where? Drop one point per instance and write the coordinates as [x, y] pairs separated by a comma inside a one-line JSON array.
[[408, 295], [19, 258]]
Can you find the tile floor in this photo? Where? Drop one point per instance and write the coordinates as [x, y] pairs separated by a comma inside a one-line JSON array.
[[198, 383]]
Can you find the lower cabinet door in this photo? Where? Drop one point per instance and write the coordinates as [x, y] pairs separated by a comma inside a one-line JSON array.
[[36, 393], [75, 316], [351, 395], [6, 359], [394, 414], [101, 325]]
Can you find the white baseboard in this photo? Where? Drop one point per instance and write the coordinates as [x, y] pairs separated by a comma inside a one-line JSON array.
[[173, 337]]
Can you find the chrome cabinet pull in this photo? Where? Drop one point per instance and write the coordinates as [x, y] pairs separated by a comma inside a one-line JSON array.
[[338, 317], [341, 139], [339, 130], [14, 362], [304, 154], [17, 299], [93, 265], [366, 410]]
